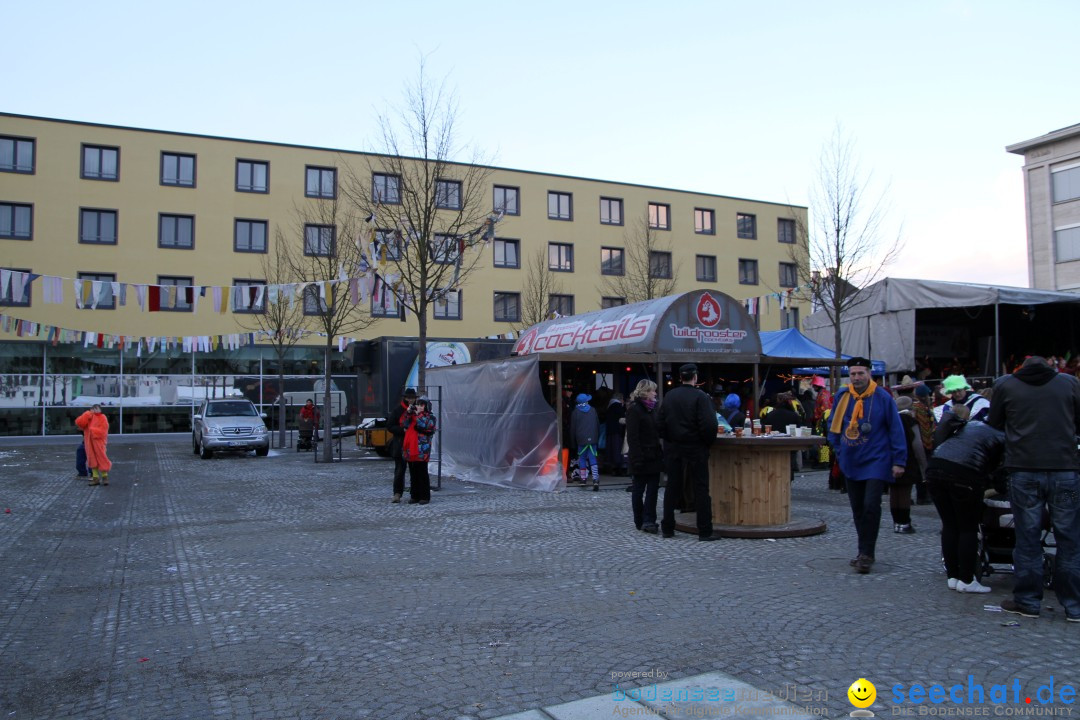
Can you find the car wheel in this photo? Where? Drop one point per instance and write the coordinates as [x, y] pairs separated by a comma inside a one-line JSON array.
[[194, 444], [204, 452], [262, 451]]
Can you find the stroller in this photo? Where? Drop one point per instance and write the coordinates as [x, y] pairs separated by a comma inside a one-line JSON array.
[[997, 538], [306, 434]]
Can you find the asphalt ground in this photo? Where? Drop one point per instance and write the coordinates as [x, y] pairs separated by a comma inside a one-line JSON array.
[[244, 587]]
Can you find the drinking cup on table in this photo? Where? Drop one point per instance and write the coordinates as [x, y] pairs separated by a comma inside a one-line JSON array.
[[768, 429], [738, 432], [791, 430]]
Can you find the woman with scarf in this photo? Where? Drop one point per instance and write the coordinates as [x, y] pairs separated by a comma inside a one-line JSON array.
[[867, 436], [419, 425], [646, 455]]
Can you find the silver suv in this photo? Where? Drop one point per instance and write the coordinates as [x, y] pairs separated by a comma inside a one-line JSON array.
[[228, 424]]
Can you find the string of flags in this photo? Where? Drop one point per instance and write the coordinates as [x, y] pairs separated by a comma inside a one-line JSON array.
[[784, 298]]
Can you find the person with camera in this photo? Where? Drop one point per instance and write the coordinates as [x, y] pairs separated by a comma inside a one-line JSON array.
[[397, 430]]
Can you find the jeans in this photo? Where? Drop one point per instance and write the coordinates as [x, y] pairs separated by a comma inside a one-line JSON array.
[[644, 508], [1029, 492], [865, 499], [689, 465], [960, 505]]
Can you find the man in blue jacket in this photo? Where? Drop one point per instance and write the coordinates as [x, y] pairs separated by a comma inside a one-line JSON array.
[[867, 436]]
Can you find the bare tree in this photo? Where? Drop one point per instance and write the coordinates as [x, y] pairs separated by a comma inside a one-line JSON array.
[[540, 284], [272, 313], [648, 269], [845, 246], [428, 215], [322, 256]]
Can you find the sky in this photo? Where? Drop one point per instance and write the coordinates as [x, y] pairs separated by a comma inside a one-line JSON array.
[[729, 98]]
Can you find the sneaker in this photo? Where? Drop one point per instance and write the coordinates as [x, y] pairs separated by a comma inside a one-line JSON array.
[[863, 564], [650, 528], [708, 538], [904, 529], [972, 587], [1072, 618], [1010, 606], [396, 498], [596, 487], [953, 582]]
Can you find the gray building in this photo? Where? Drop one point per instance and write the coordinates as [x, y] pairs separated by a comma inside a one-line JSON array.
[[1052, 205]]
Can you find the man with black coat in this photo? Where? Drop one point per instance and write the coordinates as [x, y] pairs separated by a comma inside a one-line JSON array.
[[393, 423], [687, 424], [1039, 410]]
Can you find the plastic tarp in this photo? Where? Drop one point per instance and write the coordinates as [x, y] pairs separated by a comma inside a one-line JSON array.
[[881, 323], [497, 426]]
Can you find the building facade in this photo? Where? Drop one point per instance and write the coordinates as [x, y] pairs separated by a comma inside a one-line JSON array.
[[132, 261], [1052, 208]]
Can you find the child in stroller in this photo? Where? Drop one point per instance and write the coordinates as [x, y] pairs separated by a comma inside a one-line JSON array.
[[997, 537]]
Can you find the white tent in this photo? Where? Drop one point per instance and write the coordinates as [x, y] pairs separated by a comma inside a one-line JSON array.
[[881, 322]]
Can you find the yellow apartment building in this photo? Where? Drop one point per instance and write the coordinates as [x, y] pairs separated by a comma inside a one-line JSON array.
[[127, 218]]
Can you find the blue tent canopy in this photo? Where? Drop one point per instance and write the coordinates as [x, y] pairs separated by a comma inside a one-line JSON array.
[[791, 343]]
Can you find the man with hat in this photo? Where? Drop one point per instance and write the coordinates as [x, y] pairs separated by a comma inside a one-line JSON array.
[[959, 392], [687, 423], [867, 436], [393, 423]]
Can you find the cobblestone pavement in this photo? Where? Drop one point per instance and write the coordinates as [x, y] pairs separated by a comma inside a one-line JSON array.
[[244, 587]]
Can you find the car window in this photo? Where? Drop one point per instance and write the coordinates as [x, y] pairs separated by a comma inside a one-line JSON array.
[[231, 409]]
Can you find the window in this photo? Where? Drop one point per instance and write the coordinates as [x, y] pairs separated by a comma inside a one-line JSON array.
[[249, 236], [444, 249], [748, 272], [706, 268], [507, 307], [16, 221], [610, 211], [97, 227], [506, 199], [789, 275], [560, 206], [746, 226], [177, 169], [100, 163], [391, 241], [319, 240], [448, 305], [385, 304], [386, 189], [1066, 181], [659, 216], [659, 264], [252, 176], [98, 285], [179, 300], [704, 221], [561, 257], [785, 231], [16, 154], [612, 261], [789, 318], [448, 194], [561, 304], [610, 302], [16, 291], [320, 182], [247, 298], [1067, 243], [176, 231], [314, 303], [507, 253]]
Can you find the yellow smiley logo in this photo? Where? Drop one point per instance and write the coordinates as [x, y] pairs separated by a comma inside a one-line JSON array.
[[862, 693]]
